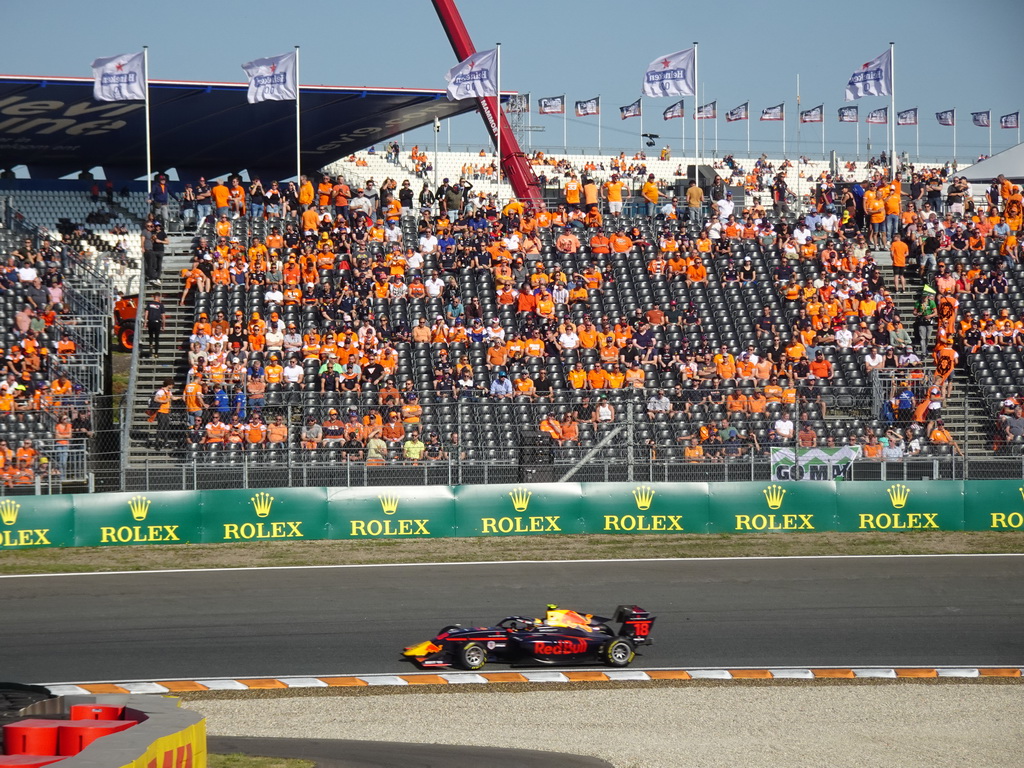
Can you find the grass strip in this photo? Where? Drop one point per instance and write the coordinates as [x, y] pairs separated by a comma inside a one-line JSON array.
[[565, 547]]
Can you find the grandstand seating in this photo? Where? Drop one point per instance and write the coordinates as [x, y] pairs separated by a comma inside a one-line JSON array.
[[702, 314]]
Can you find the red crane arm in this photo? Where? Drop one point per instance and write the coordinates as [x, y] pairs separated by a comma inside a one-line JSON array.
[[513, 162]]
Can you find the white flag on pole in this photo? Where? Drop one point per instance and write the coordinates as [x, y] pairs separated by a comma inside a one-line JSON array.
[[671, 75], [475, 77], [813, 115], [707, 111], [673, 110], [588, 107], [878, 116], [742, 112], [272, 78], [1011, 120], [982, 119], [778, 112], [119, 78], [946, 117], [630, 110], [848, 115], [907, 117], [872, 79], [551, 105]]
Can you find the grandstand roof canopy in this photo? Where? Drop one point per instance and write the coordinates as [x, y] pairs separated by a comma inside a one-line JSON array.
[[53, 126], [1009, 162]]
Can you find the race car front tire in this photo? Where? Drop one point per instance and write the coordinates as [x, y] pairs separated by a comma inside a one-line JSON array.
[[618, 653], [472, 656]]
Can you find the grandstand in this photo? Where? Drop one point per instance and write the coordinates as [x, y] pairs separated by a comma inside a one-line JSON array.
[[721, 421]]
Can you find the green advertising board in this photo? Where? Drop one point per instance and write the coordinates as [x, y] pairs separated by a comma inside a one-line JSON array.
[[518, 510], [646, 507], [391, 513], [264, 515], [772, 507], [537, 509], [994, 505], [37, 521], [111, 519], [913, 506]]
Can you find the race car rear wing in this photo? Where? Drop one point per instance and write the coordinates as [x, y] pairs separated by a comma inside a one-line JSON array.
[[636, 623]]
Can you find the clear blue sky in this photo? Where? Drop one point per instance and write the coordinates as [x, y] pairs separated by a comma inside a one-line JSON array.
[[948, 54]]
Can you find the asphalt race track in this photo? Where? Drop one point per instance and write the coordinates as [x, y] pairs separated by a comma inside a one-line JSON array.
[[806, 612]]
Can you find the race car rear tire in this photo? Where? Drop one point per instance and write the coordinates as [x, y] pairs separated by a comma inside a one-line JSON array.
[[618, 653], [472, 656]]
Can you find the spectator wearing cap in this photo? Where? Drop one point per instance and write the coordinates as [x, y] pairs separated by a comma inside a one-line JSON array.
[[725, 208], [501, 386], [333, 429]]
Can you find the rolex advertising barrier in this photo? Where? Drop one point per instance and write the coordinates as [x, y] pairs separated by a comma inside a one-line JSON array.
[[180, 517]]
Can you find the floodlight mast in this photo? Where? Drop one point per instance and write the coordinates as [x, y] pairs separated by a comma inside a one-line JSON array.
[[513, 163]]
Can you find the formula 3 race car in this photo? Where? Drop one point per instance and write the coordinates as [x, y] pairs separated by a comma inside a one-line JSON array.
[[561, 637]]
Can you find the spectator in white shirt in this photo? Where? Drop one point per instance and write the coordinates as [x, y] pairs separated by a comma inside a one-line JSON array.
[[801, 234], [428, 244], [434, 285], [293, 372], [784, 427]]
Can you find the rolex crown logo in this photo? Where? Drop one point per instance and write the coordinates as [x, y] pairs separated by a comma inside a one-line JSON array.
[[774, 494], [898, 495], [1021, 492], [262, 502], [9, 511], [520, 498], [644, 495], [139, 505], [389, 504]]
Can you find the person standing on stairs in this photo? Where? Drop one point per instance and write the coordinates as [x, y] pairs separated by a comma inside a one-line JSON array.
[[156, 322]]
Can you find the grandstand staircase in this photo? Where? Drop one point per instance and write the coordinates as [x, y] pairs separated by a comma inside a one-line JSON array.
[[964, 412], [151, 372]]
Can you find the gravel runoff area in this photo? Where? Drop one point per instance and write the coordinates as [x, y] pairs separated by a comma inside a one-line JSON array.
[[773, 725]]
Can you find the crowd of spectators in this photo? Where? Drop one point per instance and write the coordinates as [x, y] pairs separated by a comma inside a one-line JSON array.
[[335, 257]]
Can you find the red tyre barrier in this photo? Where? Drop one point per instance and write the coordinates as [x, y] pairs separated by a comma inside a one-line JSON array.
[[74, 736], [96, 712], [28, 761], [32, 737]]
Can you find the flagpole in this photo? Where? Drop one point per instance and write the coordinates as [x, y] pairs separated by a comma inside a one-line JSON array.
[[696, 107], [784, 131], [990, 133], [716, 130], [149, 146], [892, 111], [565, 124], [858, 138], [704, 138], [917, 138], [497, 116], [748, 131], [641, 126], [799, 120], [823, 132], [599, 123], [298, 122], [682, 119], [954, 136]]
